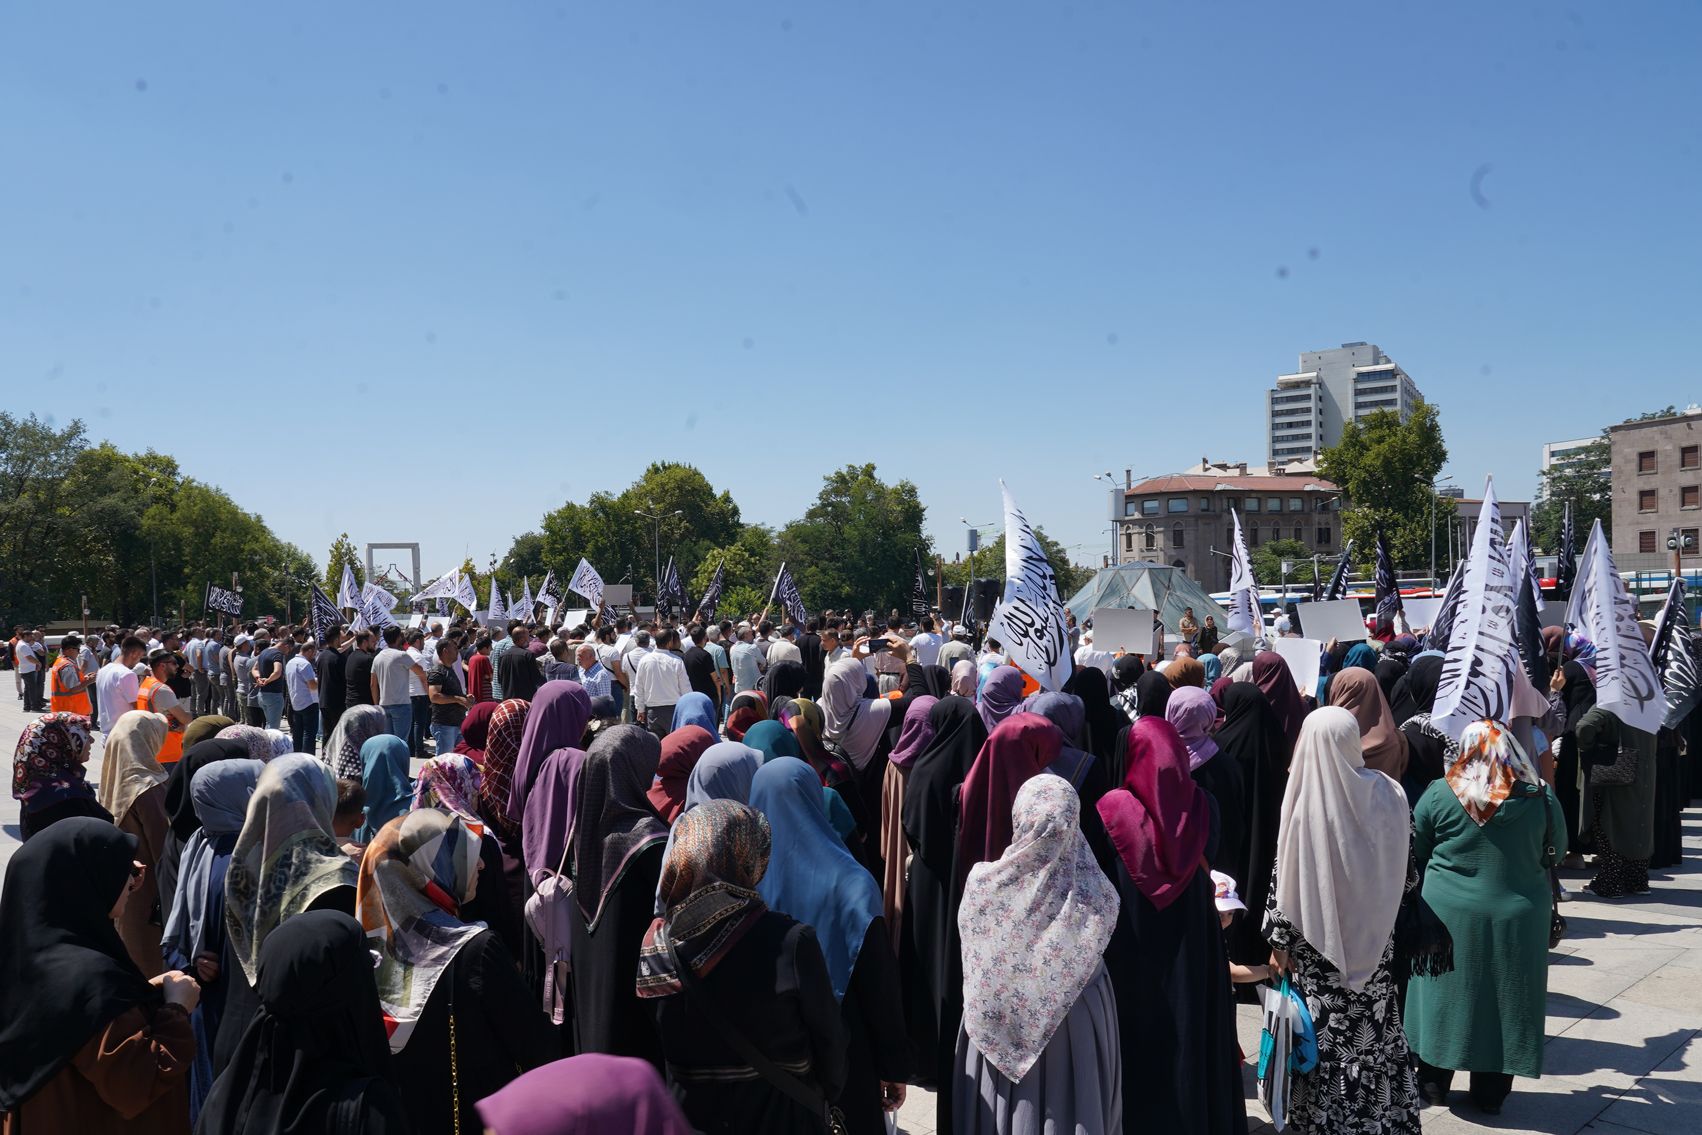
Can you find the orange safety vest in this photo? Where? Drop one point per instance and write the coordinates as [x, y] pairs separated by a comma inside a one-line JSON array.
[[172, 750], [60, 701]]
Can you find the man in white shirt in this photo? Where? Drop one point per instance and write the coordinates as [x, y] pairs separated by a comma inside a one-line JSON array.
[[659, 683], [925, 647], [302, 682], [390, 686], [116, 685], [31, 661], [1086, 655]]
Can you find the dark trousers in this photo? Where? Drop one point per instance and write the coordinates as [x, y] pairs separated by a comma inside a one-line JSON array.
[[304, 728], [33, 698], [1566, 789], [420, 728], [254, 715], [202, 702], [328, 720], [1488, 1089], [659, 719]]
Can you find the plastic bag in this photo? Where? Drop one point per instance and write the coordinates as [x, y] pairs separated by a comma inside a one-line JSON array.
[[1287, 1045]]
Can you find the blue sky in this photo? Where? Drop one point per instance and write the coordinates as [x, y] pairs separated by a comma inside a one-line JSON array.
[[344, 260]]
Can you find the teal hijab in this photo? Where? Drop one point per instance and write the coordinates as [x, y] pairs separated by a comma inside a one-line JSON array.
[[389, 788]]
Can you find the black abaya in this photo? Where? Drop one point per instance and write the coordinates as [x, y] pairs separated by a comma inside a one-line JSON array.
[[1251, 738], [608, 1016], [872, 1014], [1668, 848]]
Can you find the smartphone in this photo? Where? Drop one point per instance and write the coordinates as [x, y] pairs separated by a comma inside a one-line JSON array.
[[878, 644]]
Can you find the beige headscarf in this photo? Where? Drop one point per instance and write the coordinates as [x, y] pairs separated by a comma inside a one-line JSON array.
[[1341, 862], [1355, 689], [130, 762]]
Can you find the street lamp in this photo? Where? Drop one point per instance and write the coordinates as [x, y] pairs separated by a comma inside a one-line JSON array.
[[1434, 485], [658, 517], [1111, 485], [1680, 544], [974, 546]]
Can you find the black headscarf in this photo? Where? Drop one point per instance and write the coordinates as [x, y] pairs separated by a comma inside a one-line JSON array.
[[814, 659], [1253, 740], [930, 808], [926, 681], [785, 679], [179, 801], [1415, 692], [1390, 671], [1104, 720], [1579, 694], [315, 1051], [613, 819], [1152, 694], [64, 972]]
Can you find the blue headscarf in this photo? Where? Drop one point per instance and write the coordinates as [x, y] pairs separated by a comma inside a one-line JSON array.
[[811, 877], [772, 739], [696, 709], [1361, 655], [724, 772], [1213, 667], [389, 788]]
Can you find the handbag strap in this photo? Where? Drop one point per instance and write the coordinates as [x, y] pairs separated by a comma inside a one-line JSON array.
[[811, 1099], [1548, 831]]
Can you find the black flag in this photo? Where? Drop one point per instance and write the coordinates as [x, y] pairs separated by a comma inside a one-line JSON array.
[[671, 595], [1566, 571], [1528, 627], [712, 595], [1338, 580], [786, 590], [1388, 592], [325, 614], [919, 590], [1674, 655]]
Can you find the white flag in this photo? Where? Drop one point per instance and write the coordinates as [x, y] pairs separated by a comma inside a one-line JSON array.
[[547, 596], [1243, 589], [374, 611], [498, 610], [522, 607], [465, 595], [587, 582], [372, 593], [1601, 608], [1482, 659], [442, 588], [1029, 621], [348, 592]]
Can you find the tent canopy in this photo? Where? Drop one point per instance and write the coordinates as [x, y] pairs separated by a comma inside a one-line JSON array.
[[1158, 587]]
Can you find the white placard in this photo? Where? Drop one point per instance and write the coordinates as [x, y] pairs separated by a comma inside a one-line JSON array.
[[1339, 619], [1303, 656], [1128, 629], [617, 594], [1421, 613], [573, 617]]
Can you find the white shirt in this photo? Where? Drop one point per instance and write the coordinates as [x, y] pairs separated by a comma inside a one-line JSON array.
[[116, 689], [28, 661], [925, 648], [1087, 656], [192, 653], [416, 688], [660, 680]]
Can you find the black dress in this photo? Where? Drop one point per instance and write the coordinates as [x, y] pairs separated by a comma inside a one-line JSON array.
[[1251, 738], [607, 1014], [872, 1013], [1175, 1012], [1668, 850], [500, 1032], [773, 988], [493, 903], [1221, 776]]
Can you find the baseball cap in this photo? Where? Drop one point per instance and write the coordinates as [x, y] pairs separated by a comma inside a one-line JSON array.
[[1223, 888]]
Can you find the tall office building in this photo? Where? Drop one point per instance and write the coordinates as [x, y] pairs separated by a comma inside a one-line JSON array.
[[1307, 409]]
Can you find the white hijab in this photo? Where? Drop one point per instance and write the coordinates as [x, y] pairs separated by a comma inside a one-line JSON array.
[[1342, 848], [1034, 926], [853, 722]]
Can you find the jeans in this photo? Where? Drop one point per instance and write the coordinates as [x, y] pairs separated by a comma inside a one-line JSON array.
[[401, 719], [305, 728], [447, 737], [272, 705], [418, 727]]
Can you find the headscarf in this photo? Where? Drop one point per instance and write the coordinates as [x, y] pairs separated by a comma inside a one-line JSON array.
[[807, 724], [1185, 672], [1152, 694], [612, 818], [475, 727], [286, 856], [450, 782], [1415, 690], [589, 1093], [556, 721], [203, 728], [681, 751], [130, 762], [222, 790], [1228, 658], [1490, 760], [811, 876], [723, 773], [359, 724], [64, 972], [1360, 656], [1192, 713], [1160, 823], [931, 681], [389, 788], [496, 778], [963, 678], [1034, 925], [931, 793], [49, 764], [716, 856], [1356, 691], [1103, 719], [771, 739], [258, 741], [1342, 848], [1579, 693], [785, 678], [1001, 696], [179, 793], [1272, 675], [695, 709], [916, 731], [1023, 745], [1212, 666], [414, 877], [851, 721], [747, 709], [315, 1045]]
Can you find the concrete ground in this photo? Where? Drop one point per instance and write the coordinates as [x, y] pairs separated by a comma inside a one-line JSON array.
[[1624, 1051]]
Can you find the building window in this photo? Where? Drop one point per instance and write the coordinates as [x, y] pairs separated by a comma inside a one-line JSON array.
[[1690, 496], [1176, 535], [1149, 508], [1205, 504], [1295, 504], [1299, 534], [1688, 542], [1646, 461], [1253, 536], [1128, 540], [1646, 542], [1690, 457], [1128, 508], [1323, 540], [1648, 500], [1251, 504], [1150, 537], [1274, 505], [1176, 504]]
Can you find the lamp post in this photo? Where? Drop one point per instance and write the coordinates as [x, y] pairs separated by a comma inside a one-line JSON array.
[[657, 518], [1111, 485], [1679, 545], [1434, 485], [974, 546]]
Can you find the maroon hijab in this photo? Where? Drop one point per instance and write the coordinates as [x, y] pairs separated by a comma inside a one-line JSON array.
[[1159, 823], [1018, 747], [1272, 676], [680, 752]]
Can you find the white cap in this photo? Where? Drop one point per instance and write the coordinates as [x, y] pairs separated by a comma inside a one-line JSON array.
[[241, 638], [1224, 888]]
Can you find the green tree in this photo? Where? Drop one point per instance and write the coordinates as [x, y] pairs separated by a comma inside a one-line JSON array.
[[856, 546], [1585, 483], [342, 552], [989, 563], [1267, 562], [1386, 468], [526, 558], [36, 519], [751, 565]]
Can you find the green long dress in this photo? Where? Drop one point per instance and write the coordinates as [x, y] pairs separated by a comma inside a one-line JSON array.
[[1489, 886]]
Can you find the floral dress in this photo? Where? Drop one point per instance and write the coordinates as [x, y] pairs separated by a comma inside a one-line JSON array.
[[1364, 1082]]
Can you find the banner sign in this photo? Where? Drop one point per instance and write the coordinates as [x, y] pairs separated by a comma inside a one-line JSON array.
[[223, 601]]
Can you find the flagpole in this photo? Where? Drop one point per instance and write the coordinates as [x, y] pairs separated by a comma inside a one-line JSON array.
[[772, 592]]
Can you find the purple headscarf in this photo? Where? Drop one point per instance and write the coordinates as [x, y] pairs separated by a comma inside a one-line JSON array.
[[1001, 696], [916, 733], [1192, 713], [591, 1092], [548, 823], [555, 721]]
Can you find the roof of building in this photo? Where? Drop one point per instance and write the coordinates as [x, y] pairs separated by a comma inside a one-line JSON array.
[[1196, 483], [1688, 412]]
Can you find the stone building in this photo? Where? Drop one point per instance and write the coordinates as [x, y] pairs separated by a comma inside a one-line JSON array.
[[1657, 490]]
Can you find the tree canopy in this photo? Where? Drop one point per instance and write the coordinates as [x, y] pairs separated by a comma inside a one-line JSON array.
[[1583, 482], [1386, 468], [857, 544]]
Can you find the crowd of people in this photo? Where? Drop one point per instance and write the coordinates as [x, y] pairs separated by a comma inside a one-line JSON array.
[[739, 877]]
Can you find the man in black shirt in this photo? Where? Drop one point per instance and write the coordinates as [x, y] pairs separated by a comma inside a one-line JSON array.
[[357, 671], [449, 701], [328, 667], [700, 671]]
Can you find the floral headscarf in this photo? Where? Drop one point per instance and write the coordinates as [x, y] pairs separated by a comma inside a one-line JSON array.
[[256, 740], [48, 765], [1490, 761], [358, 725], [450, 782]]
